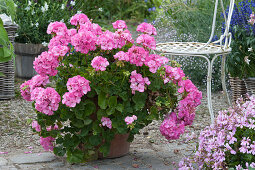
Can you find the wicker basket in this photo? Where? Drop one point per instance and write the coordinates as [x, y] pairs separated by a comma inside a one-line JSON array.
[[7, 68], [238, 88], [250, 85]]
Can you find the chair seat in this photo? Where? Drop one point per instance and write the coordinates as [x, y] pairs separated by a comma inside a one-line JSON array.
[[182, 48]]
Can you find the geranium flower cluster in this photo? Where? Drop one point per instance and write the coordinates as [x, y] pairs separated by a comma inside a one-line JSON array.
[[46, 100], [28, 86], [130, 119], [106, 122], [99, 63], [228, 138], [47, 143], [77, 87], [191, 98], [138, 82], [46, 64]]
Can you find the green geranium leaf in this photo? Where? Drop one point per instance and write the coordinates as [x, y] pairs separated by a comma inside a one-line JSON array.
[[101, 113], [139, 100], [89, 108], [76, 156], [95, 140], [87, 121], [102, 100], [105, 148], [110, 111], [84, 132], [120, 107], [78, 123], [59, 151], [112, 102]]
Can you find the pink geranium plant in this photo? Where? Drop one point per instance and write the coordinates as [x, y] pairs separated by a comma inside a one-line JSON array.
[[105, 84]]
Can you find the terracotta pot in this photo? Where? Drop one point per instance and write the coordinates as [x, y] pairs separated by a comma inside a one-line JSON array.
[[119, 147], [25, 56]]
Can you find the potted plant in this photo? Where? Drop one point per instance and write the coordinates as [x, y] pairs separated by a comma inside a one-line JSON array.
[[33, 18], [241, 61], [106, 88]]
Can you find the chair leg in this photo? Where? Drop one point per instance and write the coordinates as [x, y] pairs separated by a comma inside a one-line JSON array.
[[209, 91], [223, 80]]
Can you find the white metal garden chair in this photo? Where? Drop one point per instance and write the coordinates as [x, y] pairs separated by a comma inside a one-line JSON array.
[[204, 50]]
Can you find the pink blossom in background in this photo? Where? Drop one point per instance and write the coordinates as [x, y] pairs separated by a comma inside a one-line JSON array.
[[106, 122], [107, 41], [59, 40], [78, 85], [47, 101], [36, 126], [39, 81], [79, 19], [46, 64], [99, 63], [50, 128], [36, 93], [95, 28], [252, 19], [129, 120], [137, 55], [146, 28], [70, 100], [84, 41], [119, 24], [121, 56], [59, 50], [58, 28], [25, 90], [173, 73], [125, 35], [170, 128], [138, 82], [147, 41], [71, 32], [47, 143], [155, 61]]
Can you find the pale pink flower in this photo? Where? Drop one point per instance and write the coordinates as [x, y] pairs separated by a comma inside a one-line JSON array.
[[146, 28], [46, 64], [58, 28], [147, 41], [106, 122], [99, 63], [121, 56], [129, 120], [36, 126], [47, 143], [79, 19], [70, 100], [119, 24]]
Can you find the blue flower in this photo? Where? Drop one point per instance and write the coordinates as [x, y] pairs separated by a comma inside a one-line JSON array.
[[153, 8], [149, 9], [145, 0]]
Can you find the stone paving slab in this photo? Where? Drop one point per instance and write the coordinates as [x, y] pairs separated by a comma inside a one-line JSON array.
[[146, 159], [32, 158], [3, 161]]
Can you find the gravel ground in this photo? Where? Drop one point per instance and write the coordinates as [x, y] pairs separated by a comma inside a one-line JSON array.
[[16, 135]]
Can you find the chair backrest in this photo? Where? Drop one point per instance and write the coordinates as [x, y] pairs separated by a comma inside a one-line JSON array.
[[226, 35]]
